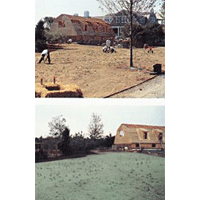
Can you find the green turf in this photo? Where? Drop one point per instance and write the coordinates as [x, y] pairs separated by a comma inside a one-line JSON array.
[[117, 176]]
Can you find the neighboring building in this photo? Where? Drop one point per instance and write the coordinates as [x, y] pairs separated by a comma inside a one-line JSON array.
[[161, 20], [48, 145], [119, 19], [38, 146], [140, 136], [84, 30]]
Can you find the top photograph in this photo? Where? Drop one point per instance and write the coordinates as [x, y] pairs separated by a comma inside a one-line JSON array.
[[100, 49]]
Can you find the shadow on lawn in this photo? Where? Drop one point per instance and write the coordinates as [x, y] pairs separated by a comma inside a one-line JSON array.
[[71, 49], [54, 47], [63, 157]]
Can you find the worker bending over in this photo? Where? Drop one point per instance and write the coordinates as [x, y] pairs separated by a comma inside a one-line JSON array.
[[43, 54]]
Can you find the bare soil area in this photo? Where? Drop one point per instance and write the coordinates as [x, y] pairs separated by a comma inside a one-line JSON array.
[[98, 74]]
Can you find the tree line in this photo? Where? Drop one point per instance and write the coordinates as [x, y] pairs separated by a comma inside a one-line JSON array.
[[78, 143]]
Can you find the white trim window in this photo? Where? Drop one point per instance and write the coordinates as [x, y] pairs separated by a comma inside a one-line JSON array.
[[107, 19], [123, 20], [121, 133], [118, 19]]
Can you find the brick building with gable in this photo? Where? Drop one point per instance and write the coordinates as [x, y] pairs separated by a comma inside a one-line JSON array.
[[140, 136], [83, 30]]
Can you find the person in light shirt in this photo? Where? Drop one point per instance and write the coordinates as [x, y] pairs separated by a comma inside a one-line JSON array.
[[108, 43], [44, 53]]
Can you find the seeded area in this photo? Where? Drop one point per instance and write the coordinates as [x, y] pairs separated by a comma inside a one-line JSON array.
[[107, 176]]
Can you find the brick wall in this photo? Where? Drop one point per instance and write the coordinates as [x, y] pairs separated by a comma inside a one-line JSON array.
[[133, 136], [82, 30], [141, 145]]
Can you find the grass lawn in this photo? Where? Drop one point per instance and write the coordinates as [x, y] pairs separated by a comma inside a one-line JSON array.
[[117, 176]]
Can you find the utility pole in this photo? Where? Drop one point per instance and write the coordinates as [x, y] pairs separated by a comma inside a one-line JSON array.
[[131, 50]]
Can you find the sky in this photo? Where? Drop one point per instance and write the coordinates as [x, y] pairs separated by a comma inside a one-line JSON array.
[[113, 113], [53, 8]]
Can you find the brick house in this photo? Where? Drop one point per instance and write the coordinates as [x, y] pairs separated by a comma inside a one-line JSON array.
[[140, 136], [48, 145], [83, 30], [38, 146]]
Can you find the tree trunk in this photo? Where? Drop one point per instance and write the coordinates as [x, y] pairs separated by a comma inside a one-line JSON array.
[[131, 50]]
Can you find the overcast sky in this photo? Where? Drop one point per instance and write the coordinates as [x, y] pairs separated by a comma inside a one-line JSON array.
[[78, 112], [53, 8]]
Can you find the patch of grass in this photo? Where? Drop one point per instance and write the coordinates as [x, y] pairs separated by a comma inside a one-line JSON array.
[[108, 176]]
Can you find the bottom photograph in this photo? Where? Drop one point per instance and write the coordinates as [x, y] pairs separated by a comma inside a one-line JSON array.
[[99, 151]]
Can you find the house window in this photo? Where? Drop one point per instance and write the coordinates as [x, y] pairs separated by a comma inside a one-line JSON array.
[[107, 20], [123, 20], [117, 19], [61, 24], [160, 137], [153, 145], [137, 145], [145, 135], [85, 27], [121, 133]]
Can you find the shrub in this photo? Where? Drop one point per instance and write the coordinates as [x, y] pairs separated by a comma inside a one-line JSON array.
[[64, 146], [56, 37], [151, 34], [40, 39], [109, 141], [40, 45]]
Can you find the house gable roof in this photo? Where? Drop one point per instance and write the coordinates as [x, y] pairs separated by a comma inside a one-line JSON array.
[[82, 26], [134, 133], [143, 126], [96, 21]]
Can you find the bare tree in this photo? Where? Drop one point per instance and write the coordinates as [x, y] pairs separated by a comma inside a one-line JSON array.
[[95, 127], [47, 22], [162, 11], [113, 6], [57, 126], [128, 7]]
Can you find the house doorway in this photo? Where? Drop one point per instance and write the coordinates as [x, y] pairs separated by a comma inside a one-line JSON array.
[[116, 31]]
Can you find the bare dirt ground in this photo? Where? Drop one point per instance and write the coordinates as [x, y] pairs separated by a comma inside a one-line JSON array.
[[98, 74]]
